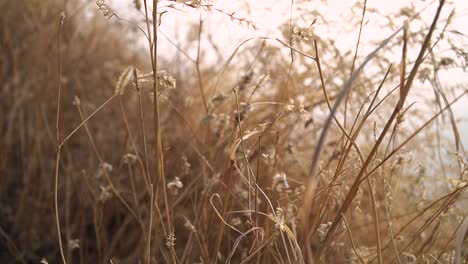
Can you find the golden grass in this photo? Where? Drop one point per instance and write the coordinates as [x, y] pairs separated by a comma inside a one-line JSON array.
[[287, 152]]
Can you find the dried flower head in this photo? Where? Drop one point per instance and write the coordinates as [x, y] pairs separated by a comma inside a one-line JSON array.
[[303, 113], [189, 225], [186, 165], [280, 183], [288, 107], [129, 159], [74, 243], [300, 189], [240, 192], [123, 80], [219, 98], [409, 258], [105, 9], [170, 240], [245, 80], [448, 257], [76, 101], [105, 194], [62, 17], [174, 186], [104, 168], [323, 230], [280, 220], [191, 3], [291, 213], [236, 221], [167, 81], [243, 112], [302, 33]]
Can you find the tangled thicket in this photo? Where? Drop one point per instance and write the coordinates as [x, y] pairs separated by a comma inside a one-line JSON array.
[[222, 150]]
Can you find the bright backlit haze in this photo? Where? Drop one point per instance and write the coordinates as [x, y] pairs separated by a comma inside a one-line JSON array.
[[269, 15]]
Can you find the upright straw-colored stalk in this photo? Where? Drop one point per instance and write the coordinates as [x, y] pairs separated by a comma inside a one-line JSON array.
[[57, 161], [197, 66], [159, 175]]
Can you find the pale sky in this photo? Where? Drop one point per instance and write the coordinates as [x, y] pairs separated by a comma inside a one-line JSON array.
[[268, 15]]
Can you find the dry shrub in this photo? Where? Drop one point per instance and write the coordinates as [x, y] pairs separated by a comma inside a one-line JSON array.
[[236, 146]]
